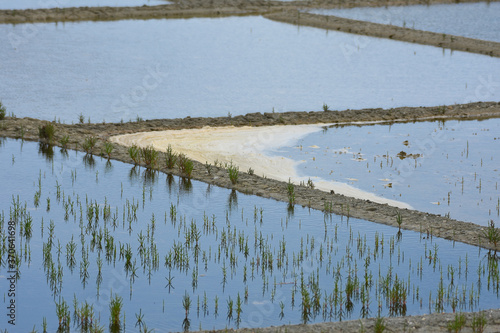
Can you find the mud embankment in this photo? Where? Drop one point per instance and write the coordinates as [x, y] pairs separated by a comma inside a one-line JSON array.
[[441, 40], [429, 225]]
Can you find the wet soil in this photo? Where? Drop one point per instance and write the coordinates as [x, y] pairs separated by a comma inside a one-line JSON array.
[[429, 225]]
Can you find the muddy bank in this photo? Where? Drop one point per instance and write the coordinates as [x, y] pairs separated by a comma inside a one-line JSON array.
[[190, 8], [417, 324], [457, 43], [429, 225]]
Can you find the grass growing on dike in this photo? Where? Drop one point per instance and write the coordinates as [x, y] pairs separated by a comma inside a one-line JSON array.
[[227, 254]]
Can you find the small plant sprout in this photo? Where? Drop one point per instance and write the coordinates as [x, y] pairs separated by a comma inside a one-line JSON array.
[[492, 234], [208, 166], [251, 171], [170, 157], [325, 107], [81, 118], [89, 144], [399, 219], [64, 141], [291, 192], [233, 172], [185, 165], [379, 325], [3, 111], [478, 323], [115, 308], [47, 132], [457, 324], [150, 156], [133, 152], [108, 148]]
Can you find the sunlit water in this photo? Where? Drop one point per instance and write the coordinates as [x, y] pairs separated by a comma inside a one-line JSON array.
[[123, 70], [36, 4], [448, 168], [212, 246], [473, 20]]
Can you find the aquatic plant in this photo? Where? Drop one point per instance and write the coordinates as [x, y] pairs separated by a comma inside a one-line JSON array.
[[115, 308], [478, 323], [133, 152], [208, 166], [379, 325], [63, 315], [492, 234], [64, 141], [108, 148], [185, 165], [3, 111], [149, 156], [291, 193], [233, 172], [399, 219], [457, 324], [89, 144], [170, 157], [325, 107], [47, 132]]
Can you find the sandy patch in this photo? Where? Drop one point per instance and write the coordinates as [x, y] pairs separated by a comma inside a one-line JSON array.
[[247, 147]]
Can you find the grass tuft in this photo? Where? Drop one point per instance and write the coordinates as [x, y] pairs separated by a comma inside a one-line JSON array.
[[3, 111], [233, 172], [47, 132], [89, 144], [170, 157]]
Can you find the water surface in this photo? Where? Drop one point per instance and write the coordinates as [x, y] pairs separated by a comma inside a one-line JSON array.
[[126, 70], [473, 20], [157, 241], [448, 168]]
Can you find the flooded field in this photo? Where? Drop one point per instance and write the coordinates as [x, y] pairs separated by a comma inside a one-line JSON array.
[[216, 67], [93, 244], [92, 232], [448, 168], [473, 20]]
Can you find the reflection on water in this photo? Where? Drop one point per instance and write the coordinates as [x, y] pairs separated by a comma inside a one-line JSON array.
[[448, 168], [214, 258], [127, 70], [473, 20]]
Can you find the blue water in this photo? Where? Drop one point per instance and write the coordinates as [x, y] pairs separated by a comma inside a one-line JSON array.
[[126, 70], [474, 20], [451, 168], [293, 244]]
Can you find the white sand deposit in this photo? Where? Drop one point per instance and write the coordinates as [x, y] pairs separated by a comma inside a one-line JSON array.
[[246, 147]]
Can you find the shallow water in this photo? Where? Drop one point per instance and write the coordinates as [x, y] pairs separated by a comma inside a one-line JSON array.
[[215, 67], [473, 20], [286, 250], [448, 168], [36, 4]]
